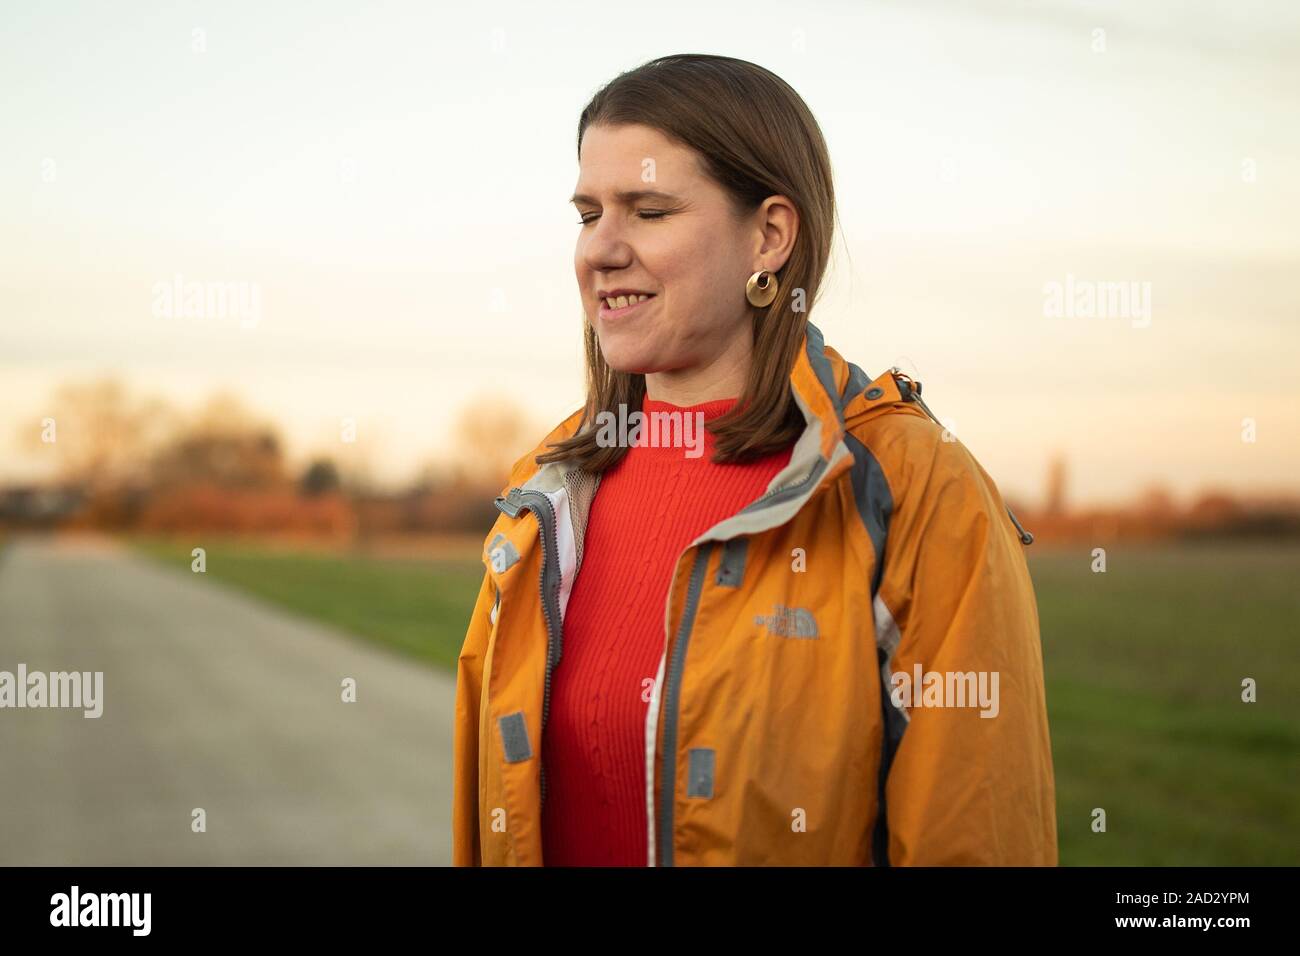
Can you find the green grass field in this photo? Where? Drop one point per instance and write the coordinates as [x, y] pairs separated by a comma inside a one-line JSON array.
[[1144, 668], [421, 608]]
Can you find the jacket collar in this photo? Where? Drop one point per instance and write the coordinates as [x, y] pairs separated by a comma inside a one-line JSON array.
[[821, 381], [823, 385]]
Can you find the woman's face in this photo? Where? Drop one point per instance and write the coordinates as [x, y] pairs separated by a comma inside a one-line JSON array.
[[654, 223]]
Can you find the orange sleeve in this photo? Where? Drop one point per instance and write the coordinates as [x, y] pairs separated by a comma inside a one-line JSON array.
[[469, 687], [956, 599]]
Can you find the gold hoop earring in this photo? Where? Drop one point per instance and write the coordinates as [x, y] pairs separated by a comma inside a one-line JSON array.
[[761, 288]]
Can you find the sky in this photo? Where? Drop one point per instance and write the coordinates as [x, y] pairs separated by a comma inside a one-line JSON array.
[[393, 181]]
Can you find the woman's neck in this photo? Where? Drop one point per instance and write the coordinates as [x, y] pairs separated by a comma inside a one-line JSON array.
[[723, 377]]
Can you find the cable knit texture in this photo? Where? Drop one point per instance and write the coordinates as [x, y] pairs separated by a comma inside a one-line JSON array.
[[648, 508]]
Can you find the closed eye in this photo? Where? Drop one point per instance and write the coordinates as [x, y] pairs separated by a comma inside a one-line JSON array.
[[643, 213]]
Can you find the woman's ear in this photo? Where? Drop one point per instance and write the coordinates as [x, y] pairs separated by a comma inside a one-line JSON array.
[[778, 225]]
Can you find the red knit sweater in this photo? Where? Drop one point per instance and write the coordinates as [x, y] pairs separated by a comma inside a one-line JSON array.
[[648, 508]]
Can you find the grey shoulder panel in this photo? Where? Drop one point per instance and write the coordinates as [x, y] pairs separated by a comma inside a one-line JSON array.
[[874, 500]]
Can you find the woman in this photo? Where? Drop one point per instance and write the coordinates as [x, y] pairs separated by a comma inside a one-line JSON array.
[[804, 633]]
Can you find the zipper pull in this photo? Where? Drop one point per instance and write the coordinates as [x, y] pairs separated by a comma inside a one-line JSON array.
[[1025, 536], [509, 504]]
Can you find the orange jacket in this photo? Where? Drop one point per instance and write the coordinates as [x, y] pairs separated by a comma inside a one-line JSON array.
[[819, 647]]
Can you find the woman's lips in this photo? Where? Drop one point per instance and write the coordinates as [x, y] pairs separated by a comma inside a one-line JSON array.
[[605, 312]]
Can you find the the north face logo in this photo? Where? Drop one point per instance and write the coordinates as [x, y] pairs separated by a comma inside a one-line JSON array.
[[789, 622]]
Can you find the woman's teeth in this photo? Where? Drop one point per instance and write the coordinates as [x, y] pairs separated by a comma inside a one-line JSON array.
[[623, 301]]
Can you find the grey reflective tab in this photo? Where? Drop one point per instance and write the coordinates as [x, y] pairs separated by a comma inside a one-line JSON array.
[[731, 567], [502, 554], [699, 773], [514, 737]]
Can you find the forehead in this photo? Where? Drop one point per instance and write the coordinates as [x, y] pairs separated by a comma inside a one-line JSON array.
[[615, 157]]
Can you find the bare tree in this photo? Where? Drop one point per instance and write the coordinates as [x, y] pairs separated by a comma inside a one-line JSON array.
[[100, 434], [225, 444]]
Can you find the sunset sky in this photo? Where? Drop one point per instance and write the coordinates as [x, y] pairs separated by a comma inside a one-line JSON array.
[[394, 180]]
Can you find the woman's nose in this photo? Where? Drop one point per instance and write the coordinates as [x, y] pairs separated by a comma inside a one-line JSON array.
[[605, 245]]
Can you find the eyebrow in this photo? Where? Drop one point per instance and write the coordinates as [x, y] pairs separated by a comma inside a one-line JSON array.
[[627, 195]]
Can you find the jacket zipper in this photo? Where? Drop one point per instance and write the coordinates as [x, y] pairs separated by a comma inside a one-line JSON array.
[[676, 667], [545, 514], [793, 490], [671, 692]]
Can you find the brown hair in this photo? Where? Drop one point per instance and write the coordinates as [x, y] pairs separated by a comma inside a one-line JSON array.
[[757, 138]]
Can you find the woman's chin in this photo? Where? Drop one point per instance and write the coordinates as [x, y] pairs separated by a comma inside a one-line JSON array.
[[624, 353], [634, 368]]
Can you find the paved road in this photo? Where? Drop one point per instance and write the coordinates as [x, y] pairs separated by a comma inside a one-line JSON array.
[[215, 700]]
